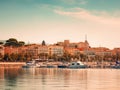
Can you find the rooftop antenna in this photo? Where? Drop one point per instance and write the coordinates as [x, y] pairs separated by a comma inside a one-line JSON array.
[[86, 39]]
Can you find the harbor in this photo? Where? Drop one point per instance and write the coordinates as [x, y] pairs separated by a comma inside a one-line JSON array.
[[59, 45], [56, 64]]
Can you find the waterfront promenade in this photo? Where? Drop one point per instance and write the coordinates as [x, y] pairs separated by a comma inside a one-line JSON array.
[[89, 64], [11, 64], [99, 64]]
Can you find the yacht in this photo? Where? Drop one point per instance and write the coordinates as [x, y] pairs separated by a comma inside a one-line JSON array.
[[31, 64], [117, 65], [63, 65], [77, 64], [38, 63]]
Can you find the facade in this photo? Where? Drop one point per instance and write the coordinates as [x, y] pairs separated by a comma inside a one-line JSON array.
[[33, 50], [2, 50], [11, 50], [66, 43], [116, 51], [72, 51], [44, 51], [101, 51], [83, 45], [55, 50]]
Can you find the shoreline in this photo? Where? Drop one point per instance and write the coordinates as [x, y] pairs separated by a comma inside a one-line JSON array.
[[89, 64], [11, 64]]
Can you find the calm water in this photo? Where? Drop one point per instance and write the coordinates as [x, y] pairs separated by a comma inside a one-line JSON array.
[[59, 79]]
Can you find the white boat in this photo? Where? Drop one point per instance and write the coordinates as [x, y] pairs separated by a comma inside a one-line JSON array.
[[77, 64], [117, 65], [31, 64], [38, 63]]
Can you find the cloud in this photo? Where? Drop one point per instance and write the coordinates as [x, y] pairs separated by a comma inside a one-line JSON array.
[[83, 2], [91, 16], [71, 2], [61, 4]]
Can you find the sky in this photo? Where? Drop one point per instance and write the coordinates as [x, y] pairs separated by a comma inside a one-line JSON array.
[[57, 20]]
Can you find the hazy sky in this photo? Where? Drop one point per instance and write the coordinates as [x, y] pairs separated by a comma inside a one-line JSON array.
[[58, 20]]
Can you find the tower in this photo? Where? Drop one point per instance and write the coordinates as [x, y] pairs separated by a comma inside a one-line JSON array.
[[86, 42]]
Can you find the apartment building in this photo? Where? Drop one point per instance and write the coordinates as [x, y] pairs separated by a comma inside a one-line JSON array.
[[10, 50], [56, 50]]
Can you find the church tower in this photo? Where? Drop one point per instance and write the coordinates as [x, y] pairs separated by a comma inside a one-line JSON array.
[[86, 42]]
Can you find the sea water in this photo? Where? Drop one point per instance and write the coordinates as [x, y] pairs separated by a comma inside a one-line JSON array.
[[59, 79]]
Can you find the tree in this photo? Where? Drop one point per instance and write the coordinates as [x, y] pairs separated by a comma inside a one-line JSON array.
[[43, 43], [6, 57], [1, 43], [67, 56], [20, 57], [21, 43], [13, 42]]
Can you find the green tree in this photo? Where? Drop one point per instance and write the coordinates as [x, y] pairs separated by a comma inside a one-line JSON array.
[[21, 43], [43, 43], [1, 43], [13, 42]]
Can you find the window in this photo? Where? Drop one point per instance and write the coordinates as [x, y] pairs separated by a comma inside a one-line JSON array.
[[73, 64]]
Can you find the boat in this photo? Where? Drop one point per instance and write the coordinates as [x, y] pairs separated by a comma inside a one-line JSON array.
[[38, 63], [63, 65], [32, 64], [77, 64], [116, 66]]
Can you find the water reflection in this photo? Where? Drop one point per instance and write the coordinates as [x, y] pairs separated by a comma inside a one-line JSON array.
[[8, 76], [59, 79]]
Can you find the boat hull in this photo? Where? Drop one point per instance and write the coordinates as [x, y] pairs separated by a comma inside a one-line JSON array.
[[81, 66], [62, 66], [116, 67]]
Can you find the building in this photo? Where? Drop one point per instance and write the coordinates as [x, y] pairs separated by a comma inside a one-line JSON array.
[[66, 43], [1, 51], [72, 51], [10, 50], [55, 50], [101, 51]]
